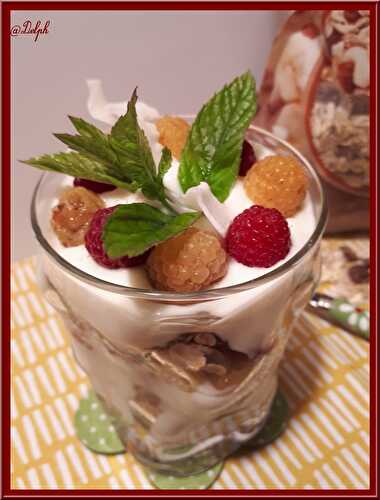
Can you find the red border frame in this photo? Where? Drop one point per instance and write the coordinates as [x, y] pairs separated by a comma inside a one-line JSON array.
[[7, 8]]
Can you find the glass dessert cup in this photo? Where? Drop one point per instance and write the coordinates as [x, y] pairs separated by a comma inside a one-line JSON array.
[[188, 377]]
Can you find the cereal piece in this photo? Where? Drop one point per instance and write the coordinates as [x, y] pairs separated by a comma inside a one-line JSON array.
[[213, 356], [199, 358], [189, 355], [277, 182], [188, 262], [72, 216], [173, 133], [214, 369], [207, 339]]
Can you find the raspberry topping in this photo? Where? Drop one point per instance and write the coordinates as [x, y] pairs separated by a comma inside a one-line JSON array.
[[277, 182], [94, 243], [71, 218], [173, 133], [248, 158], [258, 237], [95, 187], [187, 262]]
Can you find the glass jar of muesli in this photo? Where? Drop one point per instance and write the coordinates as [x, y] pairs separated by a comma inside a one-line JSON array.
[[315, 94]]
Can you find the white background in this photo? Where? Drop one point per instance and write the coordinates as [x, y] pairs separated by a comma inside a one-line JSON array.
[[177, 59]]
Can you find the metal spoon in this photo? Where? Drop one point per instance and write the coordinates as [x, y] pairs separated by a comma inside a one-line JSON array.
[[341, 313]]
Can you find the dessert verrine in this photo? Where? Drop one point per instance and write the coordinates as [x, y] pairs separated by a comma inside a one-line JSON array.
[[180, 285]]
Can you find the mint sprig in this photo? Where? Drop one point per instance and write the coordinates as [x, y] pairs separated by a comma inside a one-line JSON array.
[[213, 148], [134, 228], [91, 142], [80, 165], [92, 157], [135, 156], [122, 158]]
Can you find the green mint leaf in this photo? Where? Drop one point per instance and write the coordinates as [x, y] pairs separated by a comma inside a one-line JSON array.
[[97, 151], [86, 129], [78, 165], [135, 156], [213, 148], [165, 162], [123, 157], [93, 143], [133, 151], [132, 229], [93, 159]]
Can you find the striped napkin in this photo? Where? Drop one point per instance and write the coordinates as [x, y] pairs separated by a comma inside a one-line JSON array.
[[324, 377]]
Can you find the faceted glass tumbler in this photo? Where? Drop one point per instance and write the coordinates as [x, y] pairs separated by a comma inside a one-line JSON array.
[[134, 343]]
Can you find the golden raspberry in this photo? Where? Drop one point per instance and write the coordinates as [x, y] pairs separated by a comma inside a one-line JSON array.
[[173, 133], [188, 262], [277, 182], [71, 217]]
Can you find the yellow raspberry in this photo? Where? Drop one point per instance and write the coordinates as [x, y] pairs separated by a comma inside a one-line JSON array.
[[277, 182], [72, 216], [189, 262], [173, 133]]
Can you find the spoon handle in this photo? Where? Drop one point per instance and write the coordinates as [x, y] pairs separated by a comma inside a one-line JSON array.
[[341, 313]]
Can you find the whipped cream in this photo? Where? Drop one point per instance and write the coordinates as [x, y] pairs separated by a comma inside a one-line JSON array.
[[109, 112], [301, 227]]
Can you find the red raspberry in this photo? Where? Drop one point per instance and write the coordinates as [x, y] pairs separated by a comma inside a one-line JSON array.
[[94, 243], [258, 237], [248, 158], [95, 187]]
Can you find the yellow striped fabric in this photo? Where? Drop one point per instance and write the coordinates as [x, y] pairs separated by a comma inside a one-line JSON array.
[[324, 376]]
